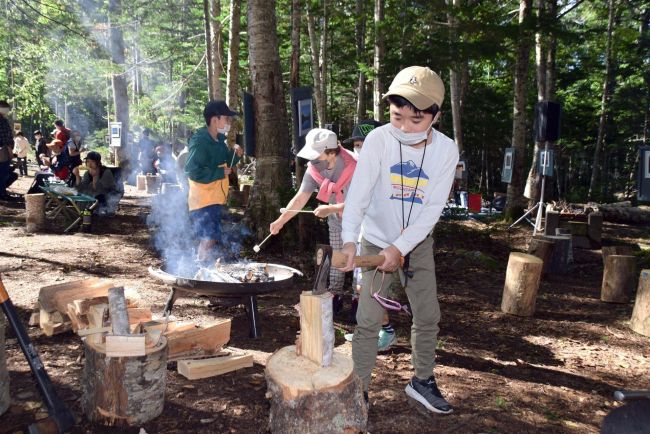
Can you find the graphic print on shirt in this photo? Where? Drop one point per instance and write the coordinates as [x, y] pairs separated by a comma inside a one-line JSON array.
[[409, 171]]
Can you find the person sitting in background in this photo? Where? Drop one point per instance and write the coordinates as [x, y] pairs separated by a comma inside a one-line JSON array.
[[98, 182], [40, 146], [164, 165], [21, 149], [74, 145], [146, 152], [58, 165]]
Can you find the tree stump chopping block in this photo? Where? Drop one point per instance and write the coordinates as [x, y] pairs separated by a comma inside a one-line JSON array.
[[306, 398], [619, 279], [35, 212], [124, 391], [543, 249], [4, 374], [521, 285], [640, 321], [559, 263]]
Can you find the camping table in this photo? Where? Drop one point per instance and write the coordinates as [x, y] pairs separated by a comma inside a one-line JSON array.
[[71, 205]]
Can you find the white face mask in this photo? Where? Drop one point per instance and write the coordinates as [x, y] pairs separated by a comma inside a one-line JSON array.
[[224, 130], [409, 139]]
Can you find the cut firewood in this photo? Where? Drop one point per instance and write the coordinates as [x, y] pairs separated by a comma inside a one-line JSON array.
[[97, 315], [51, 329], [139, 315], [172, 326], [125, 346], [77, 321], [316, 327], [118, 312], [209, 339], [35, 319], [196, 369], [83, 305], [93, 331], [51, 317], [46, 293]]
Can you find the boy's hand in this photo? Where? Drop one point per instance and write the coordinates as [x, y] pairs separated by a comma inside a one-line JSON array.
[[322, 211], [238, 150], [226, 171], [350, 250], [393, 259], [275, 226]]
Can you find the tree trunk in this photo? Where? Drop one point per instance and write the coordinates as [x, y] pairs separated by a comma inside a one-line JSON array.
[[123, 391], [214, 48], [208, 43], [521, 285], [322, 61], [360, 33], [454, 75], [118, 80], [619, 279], [271, 134], [378, 63], [232, 78], [640, 321], [316, 72], [306, 398], [604, 104], [514, 197]]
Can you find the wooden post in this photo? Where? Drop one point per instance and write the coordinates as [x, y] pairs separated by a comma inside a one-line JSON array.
[[35, 212], [640, 321], [123, 391], [4, 374], [559, 263], [521, 285], [543, 249], [615, 250], [316, 328], [618, 279], [307, 398]]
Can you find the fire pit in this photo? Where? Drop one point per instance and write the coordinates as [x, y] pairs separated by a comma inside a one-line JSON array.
[[245, 281]]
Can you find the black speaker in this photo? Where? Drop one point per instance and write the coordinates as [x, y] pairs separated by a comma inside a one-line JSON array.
[[249, 124], [547, 121]]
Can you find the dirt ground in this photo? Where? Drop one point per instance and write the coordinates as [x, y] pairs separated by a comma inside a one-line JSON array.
[[552, 373]]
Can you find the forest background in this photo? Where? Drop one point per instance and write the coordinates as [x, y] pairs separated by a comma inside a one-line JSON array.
[[155, 63]]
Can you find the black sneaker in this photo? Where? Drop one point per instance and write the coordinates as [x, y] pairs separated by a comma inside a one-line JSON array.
[[426, 392]]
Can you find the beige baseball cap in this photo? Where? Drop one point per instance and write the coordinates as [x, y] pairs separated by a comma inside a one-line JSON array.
[[420, 85], [316, 142]]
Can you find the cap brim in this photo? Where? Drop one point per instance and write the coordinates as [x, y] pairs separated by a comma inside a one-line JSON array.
[[352, 139], [308, 153], [232, 113], [421, 102]]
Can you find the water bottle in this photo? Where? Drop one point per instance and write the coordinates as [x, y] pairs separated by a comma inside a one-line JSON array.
[[86, 220]]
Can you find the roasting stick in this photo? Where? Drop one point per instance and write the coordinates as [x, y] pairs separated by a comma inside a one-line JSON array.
[[283, 210], [256, 247], [234, 152]]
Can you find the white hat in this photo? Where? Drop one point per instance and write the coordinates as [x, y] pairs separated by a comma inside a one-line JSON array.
[[316, 142]]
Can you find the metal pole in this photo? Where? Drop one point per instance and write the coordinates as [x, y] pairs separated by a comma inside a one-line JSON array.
[[538, 220]]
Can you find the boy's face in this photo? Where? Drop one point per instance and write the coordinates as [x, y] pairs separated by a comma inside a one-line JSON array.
[[409, 121], [357, 144], [221, 121]]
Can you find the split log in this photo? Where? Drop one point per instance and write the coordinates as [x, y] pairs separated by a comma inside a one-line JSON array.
[[123, 391], [51, 329], [210, 339], [616, 250], [543, 249], [521, 285], [307, 398], [4, 374], [205, 368], [77, 321], [624, 212], [619, 279], [117, 311], [35, 212], [316, 328], [97, 315], [640, 321], [57, 297], [35, 319], [153, 183]]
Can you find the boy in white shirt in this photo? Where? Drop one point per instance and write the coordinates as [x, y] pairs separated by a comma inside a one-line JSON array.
[[397, 194], [21, 149]]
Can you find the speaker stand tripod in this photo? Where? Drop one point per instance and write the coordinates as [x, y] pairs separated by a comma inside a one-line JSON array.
[[539, 206]]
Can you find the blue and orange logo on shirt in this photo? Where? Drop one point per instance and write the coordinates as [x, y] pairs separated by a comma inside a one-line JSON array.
[[404, 177]]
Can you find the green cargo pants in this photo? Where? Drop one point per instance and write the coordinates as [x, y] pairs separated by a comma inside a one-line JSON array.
[[423, 299]]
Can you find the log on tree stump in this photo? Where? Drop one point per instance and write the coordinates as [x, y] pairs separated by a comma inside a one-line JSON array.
[[640, 321], [35, 212], [124, 391], [306, 398], [615, 250], [543, 249], [521, 285], [4, 374], [141, 182], [619, 279]]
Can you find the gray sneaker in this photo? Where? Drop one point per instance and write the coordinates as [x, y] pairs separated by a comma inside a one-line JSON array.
[[426, 392]]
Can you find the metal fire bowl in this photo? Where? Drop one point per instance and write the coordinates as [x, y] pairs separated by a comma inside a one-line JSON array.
[[283, 280]]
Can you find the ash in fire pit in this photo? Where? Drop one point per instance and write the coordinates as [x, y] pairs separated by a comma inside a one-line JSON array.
[[235, 273]]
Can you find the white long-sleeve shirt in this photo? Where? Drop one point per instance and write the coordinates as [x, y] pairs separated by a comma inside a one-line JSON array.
[[21, 146], [374, 203]]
